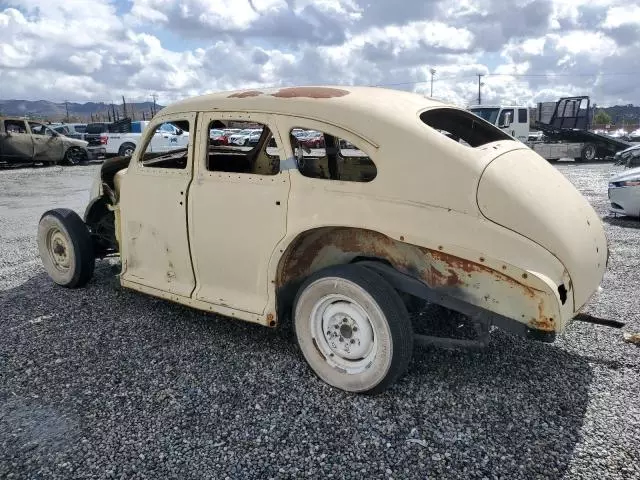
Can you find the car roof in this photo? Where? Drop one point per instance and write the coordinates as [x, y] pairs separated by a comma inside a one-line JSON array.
[[339, 105]]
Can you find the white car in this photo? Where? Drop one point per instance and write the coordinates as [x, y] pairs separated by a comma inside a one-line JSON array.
[[624, 192], [242, 137], [166, 137]]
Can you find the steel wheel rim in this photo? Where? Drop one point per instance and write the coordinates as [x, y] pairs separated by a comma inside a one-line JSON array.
[[58, 249], [343, 333], [73, 155]]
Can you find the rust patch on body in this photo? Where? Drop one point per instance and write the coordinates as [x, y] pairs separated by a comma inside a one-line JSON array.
[[461, 264], [310, 92], [542, 322], [329, 246], [246, 94]]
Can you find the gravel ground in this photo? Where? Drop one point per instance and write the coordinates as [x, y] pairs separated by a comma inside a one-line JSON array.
[[107, 383]]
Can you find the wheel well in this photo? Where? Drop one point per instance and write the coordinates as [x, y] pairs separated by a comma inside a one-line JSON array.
[[327, 246], [101, 223]]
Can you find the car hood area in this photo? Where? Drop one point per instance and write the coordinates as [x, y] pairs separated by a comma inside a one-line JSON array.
[[521, 191], [74, 142], [630, 174]]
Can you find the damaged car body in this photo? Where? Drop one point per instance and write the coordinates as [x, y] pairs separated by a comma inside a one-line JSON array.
[[28, 141], [423, 200]]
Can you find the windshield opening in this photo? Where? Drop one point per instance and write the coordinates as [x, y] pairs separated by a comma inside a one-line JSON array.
[[489, 114]]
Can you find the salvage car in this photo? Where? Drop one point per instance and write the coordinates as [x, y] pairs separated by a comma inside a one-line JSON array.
[[408, 198], [624, 193], [27, 141]]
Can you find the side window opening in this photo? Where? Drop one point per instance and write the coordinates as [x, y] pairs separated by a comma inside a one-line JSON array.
[[327, 157], [37, 128], [14, 126], [242, 147], [522, 115], [168, 151], [462, 126]]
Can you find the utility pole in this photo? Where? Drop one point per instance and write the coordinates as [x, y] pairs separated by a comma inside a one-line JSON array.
[[124, 107], [480, 75], [433, 72], [66, 106], [154, 96]]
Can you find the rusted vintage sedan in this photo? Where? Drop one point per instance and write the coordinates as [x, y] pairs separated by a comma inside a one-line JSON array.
[[28, 141], [406, 199]]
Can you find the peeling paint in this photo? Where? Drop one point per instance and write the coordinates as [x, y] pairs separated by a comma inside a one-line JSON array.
[[246, 94], [310, 92]]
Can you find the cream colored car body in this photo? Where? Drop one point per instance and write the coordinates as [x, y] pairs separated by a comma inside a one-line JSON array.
[[495, 226]]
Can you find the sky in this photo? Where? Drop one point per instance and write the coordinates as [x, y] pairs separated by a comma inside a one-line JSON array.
[[527, 50]]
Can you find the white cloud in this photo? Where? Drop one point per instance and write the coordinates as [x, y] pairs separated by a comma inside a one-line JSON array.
[[623, 15], [536, 49]]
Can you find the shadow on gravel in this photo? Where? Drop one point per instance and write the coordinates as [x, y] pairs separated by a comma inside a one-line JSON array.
[[627, 222], [106, 382]]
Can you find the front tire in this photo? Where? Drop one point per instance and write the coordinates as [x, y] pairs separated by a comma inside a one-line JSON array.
[[65, 248], [74, 156], [353, 329]]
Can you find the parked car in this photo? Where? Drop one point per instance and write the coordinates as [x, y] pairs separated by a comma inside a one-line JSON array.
[[629, 157], [341, 245], [71, 130], [94, 133], [123, 143], [624, 192], [218, 137], [27, 141], [242, 137]]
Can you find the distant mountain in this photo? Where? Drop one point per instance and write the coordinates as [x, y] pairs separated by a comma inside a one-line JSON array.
[[45, 110], [624, 114]]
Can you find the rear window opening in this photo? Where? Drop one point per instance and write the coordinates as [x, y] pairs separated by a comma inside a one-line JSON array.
[[463, 127]]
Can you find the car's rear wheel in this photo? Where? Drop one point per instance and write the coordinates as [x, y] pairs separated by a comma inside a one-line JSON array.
[[65, 248], [588, 153], [353, 329], [126, 149]]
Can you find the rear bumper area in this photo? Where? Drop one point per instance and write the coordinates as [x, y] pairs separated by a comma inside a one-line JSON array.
[[95, 153]]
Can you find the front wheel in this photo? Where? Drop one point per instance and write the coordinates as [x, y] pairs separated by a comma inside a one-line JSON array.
[[353, 329], [74, 156], [65, 248]]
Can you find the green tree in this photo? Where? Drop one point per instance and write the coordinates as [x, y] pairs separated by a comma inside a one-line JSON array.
[[602, 118]]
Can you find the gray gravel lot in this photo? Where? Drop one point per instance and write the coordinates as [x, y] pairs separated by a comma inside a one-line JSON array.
[[106, 383]]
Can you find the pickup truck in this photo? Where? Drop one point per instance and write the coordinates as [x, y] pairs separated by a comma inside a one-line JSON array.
[[167, 137], [26, 141]]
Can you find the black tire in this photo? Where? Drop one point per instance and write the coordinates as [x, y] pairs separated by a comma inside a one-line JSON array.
[[126, 149], [588, 153], [74, 156], [65, 247], [369, 316]]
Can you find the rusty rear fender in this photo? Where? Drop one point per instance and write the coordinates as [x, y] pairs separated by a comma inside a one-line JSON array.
[[527, 297]]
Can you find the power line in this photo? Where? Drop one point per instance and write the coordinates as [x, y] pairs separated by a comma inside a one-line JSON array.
[[518, 75]]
